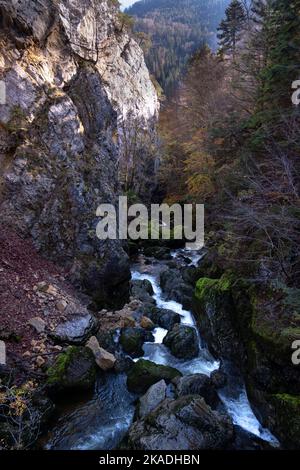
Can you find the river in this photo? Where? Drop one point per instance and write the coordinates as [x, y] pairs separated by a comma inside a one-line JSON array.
[[102, 422]]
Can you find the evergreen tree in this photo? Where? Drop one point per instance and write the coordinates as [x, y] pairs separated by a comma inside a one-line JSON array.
[[231, 27], [283, 65]]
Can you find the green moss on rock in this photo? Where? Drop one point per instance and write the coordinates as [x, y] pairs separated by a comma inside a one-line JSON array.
[[75, 368], [146, 373], [287, 409]]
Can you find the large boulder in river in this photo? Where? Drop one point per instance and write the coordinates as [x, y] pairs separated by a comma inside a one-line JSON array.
[[132, 340], [161, 316], [146, 373], [142, 289], [73, 369], [183, 342], [197, 384], [187, 423], [175, 288], [152, 398], [76, 330]]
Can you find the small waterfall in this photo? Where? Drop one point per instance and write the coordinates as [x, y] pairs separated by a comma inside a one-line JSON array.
[[101, 423]]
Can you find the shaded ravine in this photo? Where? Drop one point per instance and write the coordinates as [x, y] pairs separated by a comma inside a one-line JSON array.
[[103, 422]]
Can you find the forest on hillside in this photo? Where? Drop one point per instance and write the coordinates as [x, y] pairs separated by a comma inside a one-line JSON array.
[[176, 29], [232, 140]]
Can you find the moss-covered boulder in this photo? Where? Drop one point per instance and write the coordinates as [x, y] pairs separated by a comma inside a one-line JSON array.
[[73, 369], [256, 325], [132, 340], [146, 373], [182, 341], [216, 316], [287, 411]]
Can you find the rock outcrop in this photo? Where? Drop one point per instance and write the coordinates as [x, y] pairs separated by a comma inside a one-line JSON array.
[[75, 369], [182, 341], [187, 423], [251, 325], [75, 80]]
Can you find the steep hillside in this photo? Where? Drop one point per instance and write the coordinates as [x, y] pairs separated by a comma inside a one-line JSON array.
[[177, 28]]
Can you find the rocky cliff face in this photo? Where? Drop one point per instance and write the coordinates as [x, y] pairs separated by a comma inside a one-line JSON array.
[[74, 78]]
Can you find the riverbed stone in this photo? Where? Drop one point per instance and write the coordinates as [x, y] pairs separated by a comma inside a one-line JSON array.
[[142, 290], [218, 379], [104, 359], [73, 369], [163, 317], [182, 341], [145, 373], [175, 288], [146, 323], [152, 398], [76, 330], [187, 423], [132, 340], [197, 384]]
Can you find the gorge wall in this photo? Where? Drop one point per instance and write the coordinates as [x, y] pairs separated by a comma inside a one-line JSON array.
[[74, 77]]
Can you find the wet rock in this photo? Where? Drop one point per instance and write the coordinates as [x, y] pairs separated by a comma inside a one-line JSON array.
[[163, 317], [158, 252], [146, 323], [73, 369], [218, 379], [76, 330], [104, 359], [108, 339], [197, 384], [182, 341], [132, 340], [175, 288], [123, 363], [146, 373], [142, 290], [187, 423], [152, 398], [244, 440], [38, 324], [216, 318]]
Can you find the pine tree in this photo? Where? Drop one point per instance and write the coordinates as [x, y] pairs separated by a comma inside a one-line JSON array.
[[283, 64], [231, 27]]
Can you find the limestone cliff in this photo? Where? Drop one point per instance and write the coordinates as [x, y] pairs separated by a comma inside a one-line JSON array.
[[74, 80]]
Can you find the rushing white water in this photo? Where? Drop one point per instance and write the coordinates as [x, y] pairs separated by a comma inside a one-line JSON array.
[[234, 395], [102, 422]]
